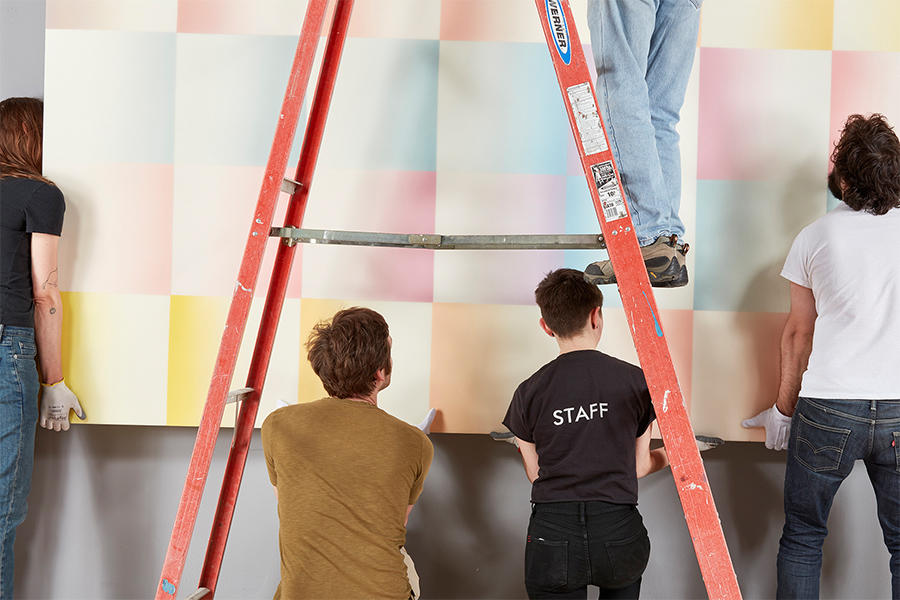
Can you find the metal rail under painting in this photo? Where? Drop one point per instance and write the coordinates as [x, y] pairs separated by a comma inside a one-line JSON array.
[[576, 83]]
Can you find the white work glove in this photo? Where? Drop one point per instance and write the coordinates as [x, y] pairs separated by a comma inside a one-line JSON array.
[[56, 401], [778, 427]]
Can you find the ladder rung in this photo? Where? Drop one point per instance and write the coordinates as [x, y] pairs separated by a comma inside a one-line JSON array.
[[431, 241], [238, 395], [289, 186], [200, 593]]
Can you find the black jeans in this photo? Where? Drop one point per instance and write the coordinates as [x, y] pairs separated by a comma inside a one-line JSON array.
[[575, 544]]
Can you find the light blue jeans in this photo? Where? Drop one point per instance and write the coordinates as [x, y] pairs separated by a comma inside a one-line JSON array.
[[827, 438], [643, 52], [19, 386]]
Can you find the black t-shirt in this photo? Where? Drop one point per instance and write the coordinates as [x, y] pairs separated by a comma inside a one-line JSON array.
[[26, 206], [583, 411]]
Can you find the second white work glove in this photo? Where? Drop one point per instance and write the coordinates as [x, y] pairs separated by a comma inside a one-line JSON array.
[[778, 427], [56, 401]]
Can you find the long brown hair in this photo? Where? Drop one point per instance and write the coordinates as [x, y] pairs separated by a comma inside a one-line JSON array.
[[21, 138]]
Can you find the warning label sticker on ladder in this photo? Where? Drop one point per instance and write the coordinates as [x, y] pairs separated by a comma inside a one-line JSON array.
[[608, 189], [590, 130]]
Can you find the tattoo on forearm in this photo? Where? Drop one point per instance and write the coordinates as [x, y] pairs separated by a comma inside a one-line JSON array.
[[52, 310], [51, 279]]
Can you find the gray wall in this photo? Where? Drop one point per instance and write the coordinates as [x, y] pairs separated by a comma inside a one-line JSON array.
[[104, 498]]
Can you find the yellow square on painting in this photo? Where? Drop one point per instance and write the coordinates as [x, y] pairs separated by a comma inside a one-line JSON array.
[[197, 325], [114, 356], [872, 25], [772, 24]]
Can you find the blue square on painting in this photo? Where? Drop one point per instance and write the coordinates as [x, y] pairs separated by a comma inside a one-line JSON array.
[[744, 232], [229, 93], [581, 218], [114, 92], [500, 110], [384, 112]]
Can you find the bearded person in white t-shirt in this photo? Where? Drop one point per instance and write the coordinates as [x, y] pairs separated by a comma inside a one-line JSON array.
[[839, 396]]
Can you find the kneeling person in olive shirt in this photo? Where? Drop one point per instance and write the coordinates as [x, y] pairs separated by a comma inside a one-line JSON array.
[[346, 473]]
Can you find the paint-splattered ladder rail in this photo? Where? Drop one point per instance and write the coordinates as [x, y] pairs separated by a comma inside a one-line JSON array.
[[634, 286], [576, 83]]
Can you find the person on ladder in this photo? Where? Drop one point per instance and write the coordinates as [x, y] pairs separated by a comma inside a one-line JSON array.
[[346, 473], [643, 52]]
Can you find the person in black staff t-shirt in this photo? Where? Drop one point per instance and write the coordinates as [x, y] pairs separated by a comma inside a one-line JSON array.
[[583, 424]]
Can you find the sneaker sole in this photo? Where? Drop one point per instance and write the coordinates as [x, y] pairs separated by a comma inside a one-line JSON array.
[[670, 278]]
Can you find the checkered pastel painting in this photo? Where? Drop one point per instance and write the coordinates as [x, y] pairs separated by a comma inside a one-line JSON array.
[[446, 118]]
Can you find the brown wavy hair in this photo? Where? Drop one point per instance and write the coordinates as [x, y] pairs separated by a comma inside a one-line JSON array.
[[566, 301], [21, 138], [866, 171], [348, 350]]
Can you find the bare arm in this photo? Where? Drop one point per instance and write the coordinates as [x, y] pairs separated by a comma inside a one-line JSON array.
[[796, 346], [649, 461], [529, 458], [48, 313], [408, 510]]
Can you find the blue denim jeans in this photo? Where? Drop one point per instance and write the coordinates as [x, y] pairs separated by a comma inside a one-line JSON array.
[[643, 52], [575, 544], [19, 386], [827, 437]]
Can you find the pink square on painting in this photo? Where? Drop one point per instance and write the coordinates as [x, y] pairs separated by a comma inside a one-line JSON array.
[[864, 83], [763, 113], [281, 17], [119, 236], [373, 201]]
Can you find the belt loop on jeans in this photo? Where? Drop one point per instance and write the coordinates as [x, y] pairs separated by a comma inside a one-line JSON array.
[[873, 405], [581, 511]]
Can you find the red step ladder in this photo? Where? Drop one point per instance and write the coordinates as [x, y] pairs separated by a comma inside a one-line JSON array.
[[272, 186], [637, 296], [576, 83]]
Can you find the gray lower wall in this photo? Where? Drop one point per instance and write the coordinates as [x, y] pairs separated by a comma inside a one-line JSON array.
[[104, 498]]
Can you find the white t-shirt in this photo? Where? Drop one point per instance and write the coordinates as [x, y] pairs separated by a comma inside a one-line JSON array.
[[849, 260]]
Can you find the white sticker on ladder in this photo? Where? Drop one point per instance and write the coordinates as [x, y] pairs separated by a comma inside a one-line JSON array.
[[608, 190], [586, 119]]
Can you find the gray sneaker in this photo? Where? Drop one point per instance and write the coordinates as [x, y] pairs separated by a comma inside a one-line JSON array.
[[664, 259]]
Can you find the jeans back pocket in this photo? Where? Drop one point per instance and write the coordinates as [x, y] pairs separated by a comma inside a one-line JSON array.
[[819, 447], [628, 558], [546, 563]]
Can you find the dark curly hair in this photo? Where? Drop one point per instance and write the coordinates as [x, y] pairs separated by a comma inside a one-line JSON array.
[[348, 350], [566, 301], [866, 171]]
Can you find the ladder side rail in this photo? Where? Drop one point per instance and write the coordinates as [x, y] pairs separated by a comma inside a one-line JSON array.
[[201, 457], [265, 340], [638, 300]]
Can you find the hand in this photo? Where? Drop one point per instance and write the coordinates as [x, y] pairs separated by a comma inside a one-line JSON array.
[[778, 427], [56, 401]]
